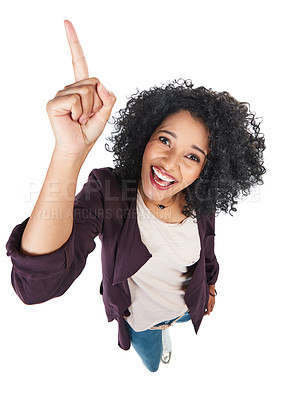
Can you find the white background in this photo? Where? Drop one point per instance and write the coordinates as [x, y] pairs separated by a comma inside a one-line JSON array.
[[64, 348]]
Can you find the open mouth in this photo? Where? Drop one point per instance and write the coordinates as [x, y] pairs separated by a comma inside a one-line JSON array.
[[159, 180]]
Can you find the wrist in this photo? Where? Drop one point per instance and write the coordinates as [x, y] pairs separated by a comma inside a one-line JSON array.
[[70, 160], [64, 168], [213, 292]]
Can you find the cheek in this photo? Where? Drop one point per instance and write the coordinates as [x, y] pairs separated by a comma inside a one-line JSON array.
[[191, 174], [145, 162], [147, 155]]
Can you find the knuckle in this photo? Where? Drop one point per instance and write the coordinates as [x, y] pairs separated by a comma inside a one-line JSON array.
[[48, 105], [59, 93], [75, 98], [94, 80], [78, 60], [87, 90]]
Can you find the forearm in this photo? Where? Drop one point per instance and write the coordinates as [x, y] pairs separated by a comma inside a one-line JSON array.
[[51, 221]]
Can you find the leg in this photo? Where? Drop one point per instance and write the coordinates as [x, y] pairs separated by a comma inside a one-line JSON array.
[[148, 345], [166, 342]]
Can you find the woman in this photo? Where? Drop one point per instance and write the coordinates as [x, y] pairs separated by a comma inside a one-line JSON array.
[[181, 155]]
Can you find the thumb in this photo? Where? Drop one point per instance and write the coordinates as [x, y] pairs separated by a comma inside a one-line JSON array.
[[108, 99]]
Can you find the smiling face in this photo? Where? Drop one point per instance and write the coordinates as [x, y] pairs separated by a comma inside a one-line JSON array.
[[174, 157]]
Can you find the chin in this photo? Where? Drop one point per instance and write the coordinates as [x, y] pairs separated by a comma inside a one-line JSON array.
[[156, 195]]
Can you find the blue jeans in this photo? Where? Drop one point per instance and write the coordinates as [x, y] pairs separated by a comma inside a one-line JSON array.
[[148, 344]]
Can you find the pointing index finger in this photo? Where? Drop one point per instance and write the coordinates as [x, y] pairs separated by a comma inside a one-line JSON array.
[[78, 60]]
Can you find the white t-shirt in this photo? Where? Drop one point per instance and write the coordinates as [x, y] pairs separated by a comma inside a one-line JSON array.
[[156, 288]]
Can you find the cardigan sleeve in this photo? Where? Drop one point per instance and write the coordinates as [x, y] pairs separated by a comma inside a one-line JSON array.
[[212, 265], [39, 278]]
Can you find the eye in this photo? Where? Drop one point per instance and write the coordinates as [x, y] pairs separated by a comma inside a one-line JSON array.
[[194, 158], [164, 140]]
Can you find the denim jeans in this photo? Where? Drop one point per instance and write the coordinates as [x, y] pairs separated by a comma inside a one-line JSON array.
[[148, 343]]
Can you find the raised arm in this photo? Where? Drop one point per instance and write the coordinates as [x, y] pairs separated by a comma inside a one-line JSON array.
[[78, 115]]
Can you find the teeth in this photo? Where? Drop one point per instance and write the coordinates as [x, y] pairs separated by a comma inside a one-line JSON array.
[[163, 177], [161, 184]]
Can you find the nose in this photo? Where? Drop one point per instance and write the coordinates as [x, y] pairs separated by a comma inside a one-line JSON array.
[[170, 161]]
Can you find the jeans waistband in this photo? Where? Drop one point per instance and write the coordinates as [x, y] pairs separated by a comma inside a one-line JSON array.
[[166, 326]]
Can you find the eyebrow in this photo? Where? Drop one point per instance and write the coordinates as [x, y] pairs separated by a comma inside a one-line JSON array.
[[175, 136]]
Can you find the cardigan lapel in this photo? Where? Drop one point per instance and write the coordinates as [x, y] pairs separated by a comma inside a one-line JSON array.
[[132, 253]]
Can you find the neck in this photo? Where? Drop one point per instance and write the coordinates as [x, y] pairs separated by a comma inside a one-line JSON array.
[[165, 203]]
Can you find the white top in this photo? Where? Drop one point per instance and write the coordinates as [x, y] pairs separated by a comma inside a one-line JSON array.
[[156, 288]]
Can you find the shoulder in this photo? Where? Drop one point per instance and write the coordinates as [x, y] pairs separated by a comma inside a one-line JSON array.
[[95, 188], [111, 187], [103, 177], [100, 174]]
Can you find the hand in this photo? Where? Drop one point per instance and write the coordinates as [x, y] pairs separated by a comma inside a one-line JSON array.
[[211, 301], [78, 113]]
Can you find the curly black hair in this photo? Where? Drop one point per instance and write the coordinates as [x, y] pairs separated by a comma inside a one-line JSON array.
[[235, 161]]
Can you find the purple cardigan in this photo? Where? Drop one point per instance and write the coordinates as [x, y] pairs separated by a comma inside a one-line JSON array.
[[106, 207]]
